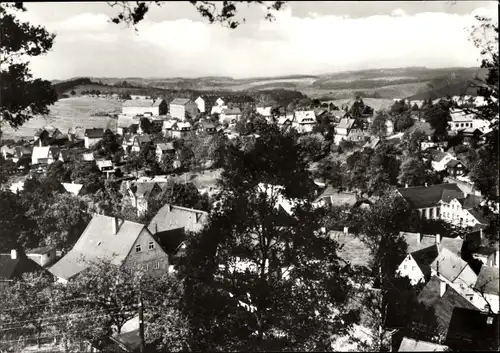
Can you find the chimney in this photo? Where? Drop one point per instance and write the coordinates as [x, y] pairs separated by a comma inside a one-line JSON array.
[[406, 185], [419, 238], [438, 238], [442, 288], [13, 254], [430, 138], [346, 230], [169, 207], [115, 225], [481, 234]]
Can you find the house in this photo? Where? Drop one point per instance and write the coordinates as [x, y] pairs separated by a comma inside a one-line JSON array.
[[17, 153], [141, 194], [45, 155], [486, 289], [304, 120], [455, 272], [181, 130], [265, 111], [389, 127], [72, 188], [179, 107], [123, 243], [417, 265], [461, 209], [482, 125], [164, 148], [342, 130], [439, 159], [455, 168], [331, 196], [138, 141], [356, 135], [489, 256], [285, 121], [88, 157], [167, 127], [44, 256], [418, 241], [105, 166], [439, 145], [412, 345], [441, 299], [200, 103], [460, 120], [14, 265], [372, 143], [92, 136], [220, 102], [218, 109], [8, 152], [425, 199], [206, 127], [471, 330], [47, 135], [150, 107], [470, 136], [230, 115]]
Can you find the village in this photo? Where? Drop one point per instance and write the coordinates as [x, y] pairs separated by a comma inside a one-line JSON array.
[[335, 206]]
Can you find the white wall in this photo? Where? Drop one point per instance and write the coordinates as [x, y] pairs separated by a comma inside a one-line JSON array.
[[409, 268], [178, 111], [133, 111]]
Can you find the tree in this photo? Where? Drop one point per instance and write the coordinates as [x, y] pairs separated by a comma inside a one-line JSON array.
[[438, 117], [110, 143], [22, 97], [87, 174], [403, 122], [331, 172], [285, 254], [13, 221], [412, 139], [412, 172], [378, 126], [58, 172], [7, 167], [72, 92]]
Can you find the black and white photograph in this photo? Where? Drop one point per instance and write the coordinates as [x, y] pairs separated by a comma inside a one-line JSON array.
[[249, 176]]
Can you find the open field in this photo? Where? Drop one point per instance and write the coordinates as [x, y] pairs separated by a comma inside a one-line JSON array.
[[70, 113]]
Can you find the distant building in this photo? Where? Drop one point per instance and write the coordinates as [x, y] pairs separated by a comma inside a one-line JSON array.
[[151, 107], [138, 141], [93, 136], [164, 148], [486, 289], [439, 159], [230, 115], [265, 111], [141, 194], [342, 130], [45, 155], [304, 121], [460, 120], [206, 127], [44, 256], [179, 107], [181, 130], [72, 188]]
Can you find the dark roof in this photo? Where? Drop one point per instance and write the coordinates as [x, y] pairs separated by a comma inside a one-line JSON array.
[[143, 189], [232, 111], [443, 306], [426, 196], [170, 240], [453, 163], [448, 195], [168, 146], [94, 133], [424, 259], [478, 214], [207, 125], [336, 197], [412, 239], [436, 155], [142, 139], [180, 101], [14, 268], [472, 201], [129, 341], [470, 330], [488, 280]]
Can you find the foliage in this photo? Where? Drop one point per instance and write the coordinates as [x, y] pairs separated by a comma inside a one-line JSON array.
[[438, 117], [411, 141], [403, 122], [87, 174], [378, 126], [22, 97], [331, 172], [412, 172], [13, 221]]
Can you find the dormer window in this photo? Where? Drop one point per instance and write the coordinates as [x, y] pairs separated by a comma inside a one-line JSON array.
[[138, 248]]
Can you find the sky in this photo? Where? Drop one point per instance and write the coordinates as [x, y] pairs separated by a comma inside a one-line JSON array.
[[305, 38]]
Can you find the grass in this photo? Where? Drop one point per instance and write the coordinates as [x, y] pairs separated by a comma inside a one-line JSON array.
[[75, 112]]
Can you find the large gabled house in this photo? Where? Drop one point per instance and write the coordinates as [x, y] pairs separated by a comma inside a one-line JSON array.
[[45, 155], [461, 209], [121, 242], [93, 136], [230, 115], [343, 129], [439, 159], [146, 107], [138, 141], [163, 149], [304, 120], [45, 136], [141, 194], [180, 107], [486, 296]]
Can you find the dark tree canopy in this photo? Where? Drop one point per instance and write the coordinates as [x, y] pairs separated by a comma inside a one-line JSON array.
[[22, 96]]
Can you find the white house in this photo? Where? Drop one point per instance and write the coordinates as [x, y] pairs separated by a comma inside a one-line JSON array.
[[152, 107], [389, 126], [179, 107], [460, 120], [342, 130], [230, 115], [200, 103], [459, 208], [92, 136], [72, 188], [416, 266], [43, 256], [439, 159], [181, 130], [304, 120], [264, 111], [45, 154]]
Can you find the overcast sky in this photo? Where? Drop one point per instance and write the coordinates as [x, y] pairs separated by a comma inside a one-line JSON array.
[[306, 38]]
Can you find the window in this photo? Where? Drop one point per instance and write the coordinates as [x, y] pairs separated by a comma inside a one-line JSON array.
[[138, 248], [146, 267], [413, 268], [151, 245], [157, 265], [405, 267]]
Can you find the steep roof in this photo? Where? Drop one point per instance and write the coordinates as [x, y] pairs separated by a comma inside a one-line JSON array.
[[305, 116], [41, 250], [180, 101], [231, 111], [453, 163], [172, 217], [337, 198], [488, 280], [412, 345], [169, 146], [448, 195], [460, 116], [449, 265], [435, 155], [443, 306], [142, 190], [424, 258], [427, 240], [14, 268], [170, 240], [142, 139], [98, 242], [43, 152], [426, 196], [207, 125], [94, 133], [138, 103], [72, 188], [471, 201], [157, 102], [478, 215], [345, 123]]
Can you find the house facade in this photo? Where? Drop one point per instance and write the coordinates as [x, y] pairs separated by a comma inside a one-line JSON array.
[[439, 160], [45, 256], [179, 107], [138, 142], [45, 155], [93, 136], [181, 130], [140, 194], [265, 111], [230, 115], [163, 149], [342, 130], [150, 107], [460, 120], [460, 209], [304, 121]]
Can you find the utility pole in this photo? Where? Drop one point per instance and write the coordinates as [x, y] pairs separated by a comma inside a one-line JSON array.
[[141, 325]]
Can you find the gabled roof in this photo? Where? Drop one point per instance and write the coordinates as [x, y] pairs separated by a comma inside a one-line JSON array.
[[168, 124], [472, 330], [426, 196], [43, 152], [427, 240], [478, 215], [435, 155], [170, 240], [14, 268], [94, 133], [169, 146], [207, 125], [138, 103], [157, 102], [412, 345], [183, 125], [488, 280], [449, 265], [443, 306], [372, 143], [305, 117], [72, 188], [125, 121], [449, 195], [142, 190], [142, 139], [424, 258], [180, 101], [231, 111], [345, 123], [460, 116], [173, 217], [471, 201], [41, 250], [98, 242], [337, 198]]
